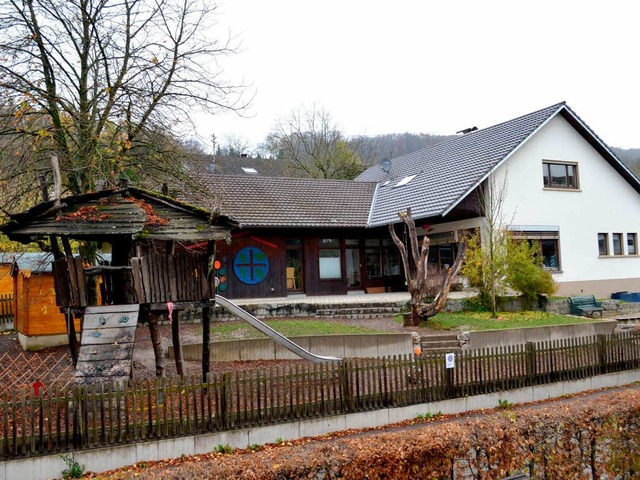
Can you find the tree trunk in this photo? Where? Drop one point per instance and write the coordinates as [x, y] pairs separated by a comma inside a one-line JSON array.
[[177, 344], [155, 340]]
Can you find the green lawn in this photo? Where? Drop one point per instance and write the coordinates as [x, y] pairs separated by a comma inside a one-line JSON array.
[[482, 320], [288, 328]]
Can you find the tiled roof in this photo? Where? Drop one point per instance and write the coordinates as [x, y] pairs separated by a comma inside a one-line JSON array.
[[264, 167], [447, 172], [256, 201], [115, 213]]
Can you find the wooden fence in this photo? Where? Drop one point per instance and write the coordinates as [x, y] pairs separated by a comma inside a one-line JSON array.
[[92, 416], [6, 308]]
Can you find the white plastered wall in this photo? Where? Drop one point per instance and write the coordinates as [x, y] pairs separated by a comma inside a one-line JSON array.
[[605, 203]]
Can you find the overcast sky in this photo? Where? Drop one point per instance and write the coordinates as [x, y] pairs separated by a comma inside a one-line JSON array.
[[434, 67]]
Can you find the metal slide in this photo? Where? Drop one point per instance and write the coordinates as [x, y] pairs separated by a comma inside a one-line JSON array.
[[270, 332]]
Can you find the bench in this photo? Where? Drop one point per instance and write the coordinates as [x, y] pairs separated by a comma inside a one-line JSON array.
[[585, 305]]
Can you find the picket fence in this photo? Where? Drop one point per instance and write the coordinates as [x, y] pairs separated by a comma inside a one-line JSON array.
[[65, 418], [6, 308]]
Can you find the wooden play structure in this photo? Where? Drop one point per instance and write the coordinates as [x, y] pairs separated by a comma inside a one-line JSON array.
[[156, 267]]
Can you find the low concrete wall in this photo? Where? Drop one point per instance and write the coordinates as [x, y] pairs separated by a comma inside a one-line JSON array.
[[343, 346], [100, 460], [517, 336]]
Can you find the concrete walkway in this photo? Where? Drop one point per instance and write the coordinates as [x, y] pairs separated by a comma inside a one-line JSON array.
[[351, 299]]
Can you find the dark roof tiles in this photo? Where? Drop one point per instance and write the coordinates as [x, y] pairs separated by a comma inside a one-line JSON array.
[[256, 201], [448, 170]]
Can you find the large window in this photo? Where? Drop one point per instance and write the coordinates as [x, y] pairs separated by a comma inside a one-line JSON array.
[[329, 259], [560, 175], [603, 244], [548, 245]]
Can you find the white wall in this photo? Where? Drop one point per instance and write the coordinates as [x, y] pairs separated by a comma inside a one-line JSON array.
[[604, 203]]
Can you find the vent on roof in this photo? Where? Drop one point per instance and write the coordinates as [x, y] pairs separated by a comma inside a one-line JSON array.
[[249, 170], [405, 180], [464, 131]]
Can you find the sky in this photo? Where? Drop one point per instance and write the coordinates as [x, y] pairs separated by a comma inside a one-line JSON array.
[[423, 66]]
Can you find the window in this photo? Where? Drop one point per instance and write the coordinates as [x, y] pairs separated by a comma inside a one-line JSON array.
[[547, 243], [249, 170], [632, 242], [405, 180], [603, 244], [617, 243], [329, 259], [560, 175]]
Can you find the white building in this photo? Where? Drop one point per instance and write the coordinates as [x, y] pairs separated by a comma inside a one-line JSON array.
[[564, 188]]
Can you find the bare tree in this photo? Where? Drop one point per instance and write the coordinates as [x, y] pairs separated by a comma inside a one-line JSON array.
[[314, 145], [105, 84], [414, 260], [488, 258]]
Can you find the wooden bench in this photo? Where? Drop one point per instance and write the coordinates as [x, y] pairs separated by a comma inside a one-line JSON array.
[[585, 305]]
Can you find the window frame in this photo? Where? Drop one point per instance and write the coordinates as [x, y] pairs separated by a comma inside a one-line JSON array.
[[606, 245], [620, 237], [537, 237], [546, 175], [632, 236], [329, 248]]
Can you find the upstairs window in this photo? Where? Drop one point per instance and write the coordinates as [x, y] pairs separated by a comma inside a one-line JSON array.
[[560, 175]]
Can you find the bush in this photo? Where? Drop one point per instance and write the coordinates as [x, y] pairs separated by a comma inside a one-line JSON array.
[[525, 275], [73, 470]]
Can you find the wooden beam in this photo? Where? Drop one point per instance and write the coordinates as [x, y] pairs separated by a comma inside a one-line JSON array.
[[206, 314], [67, 246], [74, 345], [177, 345], [155, 338], [55, 248], [206, 341]]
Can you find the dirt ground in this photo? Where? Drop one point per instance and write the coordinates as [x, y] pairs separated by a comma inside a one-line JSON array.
[[143, 358]]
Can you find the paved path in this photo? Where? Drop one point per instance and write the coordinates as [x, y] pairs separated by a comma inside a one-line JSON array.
[[372, 298]]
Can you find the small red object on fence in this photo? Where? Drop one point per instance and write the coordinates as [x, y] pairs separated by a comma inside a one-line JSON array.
[[37, 386]]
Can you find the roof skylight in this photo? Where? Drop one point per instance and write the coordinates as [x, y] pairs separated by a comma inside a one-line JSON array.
[[249, 170], [405, 180]]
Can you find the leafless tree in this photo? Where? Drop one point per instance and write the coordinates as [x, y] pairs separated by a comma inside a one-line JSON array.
[[314, 145], [105, 85], [414, 260]]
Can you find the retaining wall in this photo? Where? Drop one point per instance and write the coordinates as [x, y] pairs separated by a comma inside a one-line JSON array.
[[519, 336], [343, 346]]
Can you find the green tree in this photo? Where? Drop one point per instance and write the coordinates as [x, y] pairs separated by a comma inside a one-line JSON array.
[[104, 85], [314, 145]]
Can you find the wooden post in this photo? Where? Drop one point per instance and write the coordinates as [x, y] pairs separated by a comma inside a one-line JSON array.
[[55, 248], [155, 339], [67, 246], [206, 312], [73, 340], [206, 340], [177, 345]]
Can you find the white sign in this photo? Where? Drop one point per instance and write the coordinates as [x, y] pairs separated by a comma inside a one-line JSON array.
[[450, 360]]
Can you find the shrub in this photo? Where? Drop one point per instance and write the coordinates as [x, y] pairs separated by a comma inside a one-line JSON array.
[[73, 470], [525, 274]]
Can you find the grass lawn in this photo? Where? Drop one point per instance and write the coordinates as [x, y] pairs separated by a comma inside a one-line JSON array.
[[482, 320], [288, 328]]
